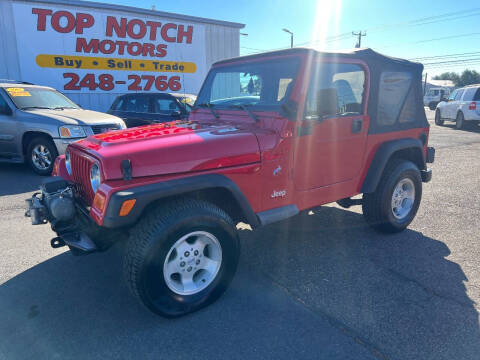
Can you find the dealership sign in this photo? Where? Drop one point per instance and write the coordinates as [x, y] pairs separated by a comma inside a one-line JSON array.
[[96, 51]]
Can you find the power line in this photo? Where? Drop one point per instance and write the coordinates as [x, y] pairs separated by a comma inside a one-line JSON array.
[[444, 56], [421, 21]]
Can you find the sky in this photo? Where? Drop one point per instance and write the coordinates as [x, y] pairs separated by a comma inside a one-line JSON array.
[[437, 33]]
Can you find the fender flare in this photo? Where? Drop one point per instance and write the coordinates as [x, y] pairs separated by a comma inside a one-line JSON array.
[[382, 156], [146, 194]]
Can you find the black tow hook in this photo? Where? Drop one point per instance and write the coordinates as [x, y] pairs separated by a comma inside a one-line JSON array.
[[57, 242]]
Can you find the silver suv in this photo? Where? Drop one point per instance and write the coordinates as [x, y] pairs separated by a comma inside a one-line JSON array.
[[37, 123], [462, 105]]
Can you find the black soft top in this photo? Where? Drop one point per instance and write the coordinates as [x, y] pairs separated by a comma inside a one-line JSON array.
[[385, 73]]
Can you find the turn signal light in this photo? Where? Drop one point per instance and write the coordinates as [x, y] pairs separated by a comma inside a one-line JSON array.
[[99, 201], [127, 206]]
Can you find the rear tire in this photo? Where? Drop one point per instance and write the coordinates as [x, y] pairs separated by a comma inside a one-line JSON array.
[[394, 204], [438, 118], [460, 121], [166, 266], [41, 155]]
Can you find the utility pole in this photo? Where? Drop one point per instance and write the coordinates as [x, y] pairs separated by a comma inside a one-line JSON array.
[[359, 34], [425, 84]]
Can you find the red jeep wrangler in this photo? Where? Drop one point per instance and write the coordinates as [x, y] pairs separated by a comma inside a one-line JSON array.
[[270, 135]]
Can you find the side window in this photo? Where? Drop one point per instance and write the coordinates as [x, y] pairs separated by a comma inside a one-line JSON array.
[[459, 94], [476, 97], [136, 103], [4, 108], [393, 91], [336, 89], [469, 94], [409, 112], [118, 105], [452, 95], [166, 106]]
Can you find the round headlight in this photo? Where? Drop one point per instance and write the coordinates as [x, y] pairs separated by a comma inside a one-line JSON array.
[[95, 177], [67, 162]]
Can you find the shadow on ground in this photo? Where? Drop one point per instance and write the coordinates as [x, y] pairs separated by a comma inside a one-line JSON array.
[[467, 127], [316, 286], [17, 178]]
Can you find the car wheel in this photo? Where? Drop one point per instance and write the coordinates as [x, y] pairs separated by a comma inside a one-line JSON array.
[[460, 121], [438, 118], [432, 105], [394, 204], [181, 257], [41, 155]]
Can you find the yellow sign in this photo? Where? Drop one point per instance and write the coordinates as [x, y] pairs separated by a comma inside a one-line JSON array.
[[101, 63], [18, 92]]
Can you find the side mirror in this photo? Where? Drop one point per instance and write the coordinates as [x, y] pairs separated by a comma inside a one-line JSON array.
[[327, 103]]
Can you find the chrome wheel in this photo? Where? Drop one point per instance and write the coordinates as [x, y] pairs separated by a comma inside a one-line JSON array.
[[403, 198], [41, 157], [192, 263]]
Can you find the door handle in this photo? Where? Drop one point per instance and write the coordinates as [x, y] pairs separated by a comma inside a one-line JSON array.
[[357, 125]]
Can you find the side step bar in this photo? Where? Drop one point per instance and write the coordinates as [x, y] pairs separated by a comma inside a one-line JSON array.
[[347, 202]]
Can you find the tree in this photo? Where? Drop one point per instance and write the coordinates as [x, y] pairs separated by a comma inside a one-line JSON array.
[[448, 76], [468, 77]]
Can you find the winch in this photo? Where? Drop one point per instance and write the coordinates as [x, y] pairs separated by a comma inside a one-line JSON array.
[[53, 204]]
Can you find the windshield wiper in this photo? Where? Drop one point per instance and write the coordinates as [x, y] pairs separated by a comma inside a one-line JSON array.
[[209, 107], [64, 107], [244, 108], [35, 107]]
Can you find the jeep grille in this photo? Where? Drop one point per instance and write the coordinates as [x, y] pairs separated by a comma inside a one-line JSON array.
[[81, 164]]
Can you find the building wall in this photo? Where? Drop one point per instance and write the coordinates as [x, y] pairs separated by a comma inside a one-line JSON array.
[[221, 42]]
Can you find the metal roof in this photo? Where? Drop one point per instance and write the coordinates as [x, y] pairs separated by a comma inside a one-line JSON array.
[[135, 10]]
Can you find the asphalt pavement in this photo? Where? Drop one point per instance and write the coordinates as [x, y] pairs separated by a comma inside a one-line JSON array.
[[321, 285]]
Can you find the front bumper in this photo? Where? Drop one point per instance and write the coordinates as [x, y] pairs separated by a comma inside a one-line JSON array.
[[62, 144], [55, 204]]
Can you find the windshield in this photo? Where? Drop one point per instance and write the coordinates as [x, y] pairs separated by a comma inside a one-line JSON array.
[[261, 85], [433, 93], [30, 97]]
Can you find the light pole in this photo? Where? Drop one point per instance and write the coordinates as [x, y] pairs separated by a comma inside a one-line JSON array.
[[291, 36]]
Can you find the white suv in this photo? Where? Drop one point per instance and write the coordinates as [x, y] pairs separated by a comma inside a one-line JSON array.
[[462, 105]]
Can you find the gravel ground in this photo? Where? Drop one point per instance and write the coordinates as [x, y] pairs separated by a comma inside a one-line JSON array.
[[320, 285]]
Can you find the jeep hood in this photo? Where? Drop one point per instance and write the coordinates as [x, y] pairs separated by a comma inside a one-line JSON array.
[[76, 116], [172, 148]]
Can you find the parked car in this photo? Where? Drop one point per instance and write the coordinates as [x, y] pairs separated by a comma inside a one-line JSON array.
[[435, 96], [187, 99], [146, 108], [271, 135], [462, 106], [37, 123]]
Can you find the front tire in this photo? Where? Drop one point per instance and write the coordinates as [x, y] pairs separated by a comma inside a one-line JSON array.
[[460, 121], [181, 256], [41, 155], [394, 204], [438, 118]]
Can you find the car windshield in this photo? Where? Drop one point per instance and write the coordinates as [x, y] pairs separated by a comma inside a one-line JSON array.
[[261, 85], [30, 98]]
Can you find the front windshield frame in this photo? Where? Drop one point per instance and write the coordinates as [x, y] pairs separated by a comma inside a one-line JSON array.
[[204, 96], [64, 102]]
